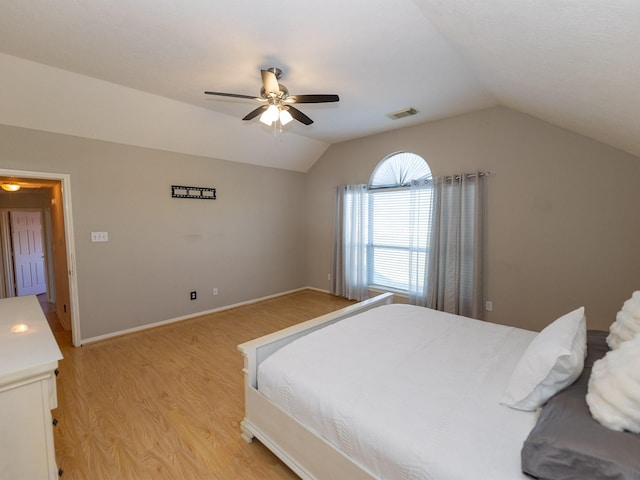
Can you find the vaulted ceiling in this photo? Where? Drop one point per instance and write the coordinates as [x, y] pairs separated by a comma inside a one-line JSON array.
[[573, 63]]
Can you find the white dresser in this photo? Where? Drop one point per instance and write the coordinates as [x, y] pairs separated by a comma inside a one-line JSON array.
[[29, 358]]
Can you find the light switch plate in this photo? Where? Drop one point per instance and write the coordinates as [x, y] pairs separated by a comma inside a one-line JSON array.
[[99, 236]]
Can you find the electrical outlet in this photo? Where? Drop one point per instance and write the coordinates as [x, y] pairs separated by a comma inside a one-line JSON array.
[[215, 290], [488, 306], [194, 295]]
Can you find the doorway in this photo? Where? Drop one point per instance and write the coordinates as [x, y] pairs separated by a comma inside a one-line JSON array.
[[58, 249], [26, 240]]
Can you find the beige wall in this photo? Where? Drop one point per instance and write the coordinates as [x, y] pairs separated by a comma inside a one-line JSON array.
[[248, 243], [562, 224], [37, 201]]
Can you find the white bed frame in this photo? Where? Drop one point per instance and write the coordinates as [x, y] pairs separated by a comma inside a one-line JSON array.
[[306, 453]]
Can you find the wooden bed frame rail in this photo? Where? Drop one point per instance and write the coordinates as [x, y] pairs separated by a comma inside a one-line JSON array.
[[306, 453]]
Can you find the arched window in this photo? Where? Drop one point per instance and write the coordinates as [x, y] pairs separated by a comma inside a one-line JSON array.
[[398, 170], [397, 230]]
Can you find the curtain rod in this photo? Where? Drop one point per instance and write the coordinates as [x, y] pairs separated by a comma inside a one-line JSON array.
[[447, 178], [451, 178], [468, 175]]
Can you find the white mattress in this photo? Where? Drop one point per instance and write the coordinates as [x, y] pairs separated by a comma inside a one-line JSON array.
[[407, 392]]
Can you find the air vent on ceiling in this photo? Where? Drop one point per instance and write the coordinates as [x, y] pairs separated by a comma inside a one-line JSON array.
[[406, 112]]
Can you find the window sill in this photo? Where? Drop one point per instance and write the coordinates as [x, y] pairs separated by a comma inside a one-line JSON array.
[[404, 296]]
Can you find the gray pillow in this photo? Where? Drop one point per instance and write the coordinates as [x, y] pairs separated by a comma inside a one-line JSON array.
[[567, 443]]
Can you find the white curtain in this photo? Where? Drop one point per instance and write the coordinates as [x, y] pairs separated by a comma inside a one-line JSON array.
[[455, 251], [419, 238], [350, 238]]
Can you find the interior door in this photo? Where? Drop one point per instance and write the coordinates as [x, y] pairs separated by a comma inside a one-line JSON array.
[[28, 253]]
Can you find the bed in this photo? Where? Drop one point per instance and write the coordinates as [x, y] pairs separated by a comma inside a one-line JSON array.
[[387, 391]]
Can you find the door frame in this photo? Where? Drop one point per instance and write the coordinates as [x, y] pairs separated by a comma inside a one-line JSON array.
[[65, 180], [6, 280]]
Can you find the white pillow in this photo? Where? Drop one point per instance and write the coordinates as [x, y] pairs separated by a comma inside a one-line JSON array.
[[627, 322], [553, 360], [613, 394]]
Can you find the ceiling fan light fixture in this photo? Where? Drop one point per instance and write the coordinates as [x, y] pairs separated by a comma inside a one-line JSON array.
[[270, 115], [285, 117], [10, 187]]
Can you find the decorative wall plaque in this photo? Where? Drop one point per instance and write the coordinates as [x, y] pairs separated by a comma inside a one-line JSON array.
[[204, 193]]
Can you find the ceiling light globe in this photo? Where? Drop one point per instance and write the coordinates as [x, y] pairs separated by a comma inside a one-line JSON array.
[[10, 187], [270, 115], [285, 117]]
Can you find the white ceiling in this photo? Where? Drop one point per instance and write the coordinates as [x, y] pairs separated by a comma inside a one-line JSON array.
[[574, 63]]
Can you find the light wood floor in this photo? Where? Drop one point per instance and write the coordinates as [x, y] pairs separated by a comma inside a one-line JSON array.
[[166, 403]]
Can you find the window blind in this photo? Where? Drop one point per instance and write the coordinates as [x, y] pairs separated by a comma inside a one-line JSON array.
[[390, 236]]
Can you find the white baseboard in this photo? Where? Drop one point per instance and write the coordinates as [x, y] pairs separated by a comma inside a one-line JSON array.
[[321, 290], [106, 336], [63, 321]]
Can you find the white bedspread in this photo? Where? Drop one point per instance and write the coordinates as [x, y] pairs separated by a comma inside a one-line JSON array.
[[408, 392]]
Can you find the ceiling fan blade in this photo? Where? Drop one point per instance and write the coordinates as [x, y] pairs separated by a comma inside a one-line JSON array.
[[320, 98], [254, 113], [298, 115], [270, 82], [234, 95]]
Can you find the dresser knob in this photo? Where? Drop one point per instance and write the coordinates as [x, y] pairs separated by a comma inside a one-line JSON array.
[[55, 422], [60, 472], [57, 372]]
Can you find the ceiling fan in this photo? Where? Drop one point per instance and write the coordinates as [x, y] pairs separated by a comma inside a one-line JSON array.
[[277, 103]]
